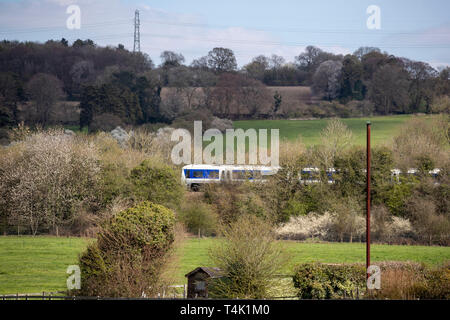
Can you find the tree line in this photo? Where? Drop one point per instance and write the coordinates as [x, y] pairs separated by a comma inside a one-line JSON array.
[[116, 86]]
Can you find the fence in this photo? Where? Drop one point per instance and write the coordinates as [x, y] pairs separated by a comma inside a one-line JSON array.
[[171, 292]]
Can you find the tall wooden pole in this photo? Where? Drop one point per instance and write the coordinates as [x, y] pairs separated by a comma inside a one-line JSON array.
[[368, 200]]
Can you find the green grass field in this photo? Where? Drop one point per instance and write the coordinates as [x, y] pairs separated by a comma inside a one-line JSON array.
[[383, 128], [33, 265]]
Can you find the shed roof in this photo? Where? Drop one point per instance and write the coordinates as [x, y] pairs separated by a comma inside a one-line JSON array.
[[212, 272]]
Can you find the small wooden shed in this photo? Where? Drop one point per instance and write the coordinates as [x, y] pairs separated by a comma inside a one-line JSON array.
[[198, 281]]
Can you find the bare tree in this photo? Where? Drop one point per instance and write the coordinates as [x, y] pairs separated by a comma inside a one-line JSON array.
[[249, 257], [200, 63], [222, 60], [335, 138], [326, 79], [257, 67], [45, 90], [171, 59], [238, 96], [347, 218], [186, 83]]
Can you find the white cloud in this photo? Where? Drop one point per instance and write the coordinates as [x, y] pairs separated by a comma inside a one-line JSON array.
[[63, 2]]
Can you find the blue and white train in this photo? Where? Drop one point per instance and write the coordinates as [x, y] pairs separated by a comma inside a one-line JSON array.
[[193, 176]]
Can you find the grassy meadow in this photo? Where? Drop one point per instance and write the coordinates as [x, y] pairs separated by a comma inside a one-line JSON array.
[[383, 128], [33, 265]]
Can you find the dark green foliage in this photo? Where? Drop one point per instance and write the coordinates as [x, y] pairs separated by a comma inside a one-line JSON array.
[[351, 79], [157, 183], [396, 197], [11, 92], [147, 225], [129, 254], [323, 281], [133, 99], [199, 218], [277, 102], [58, 58]]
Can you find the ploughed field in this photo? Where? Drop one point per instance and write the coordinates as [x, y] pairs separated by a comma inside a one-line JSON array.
[[33, 265]]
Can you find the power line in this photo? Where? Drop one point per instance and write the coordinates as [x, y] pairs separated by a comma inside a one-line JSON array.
[[216, 26], [59, 28], [290, 29]]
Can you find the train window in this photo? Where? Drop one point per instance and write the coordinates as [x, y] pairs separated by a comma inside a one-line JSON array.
[[242, 174], [212, 174], [257, 175], [238, 174], [197, 174], [202, 174]]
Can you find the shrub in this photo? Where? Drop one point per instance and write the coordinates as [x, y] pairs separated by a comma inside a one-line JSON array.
[[116, 165], [249, 258], [156, 182], [410, 280], [432, 226], [347, 220], [436, 284], [441, 104], [130, 252], [324, 281], [399, 280], [396, 198], [303, 227], [232, 200], [198, 218], [420, 139], [46, 178], [386, 227], [155, 144]]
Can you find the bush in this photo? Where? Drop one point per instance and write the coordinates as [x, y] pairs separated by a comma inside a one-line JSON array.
[[347, 220], [436, 284], [46, 178], [198, 218], [324, 281], [409, 280], [420, 139], [303, 227], [441, 104], [432, 226], [232, 200], [249, 258], [386, 227], [128, 258], [399, 280], [156, 182]]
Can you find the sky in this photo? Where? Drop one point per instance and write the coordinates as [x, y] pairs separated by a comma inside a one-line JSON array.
[[415, 29]]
